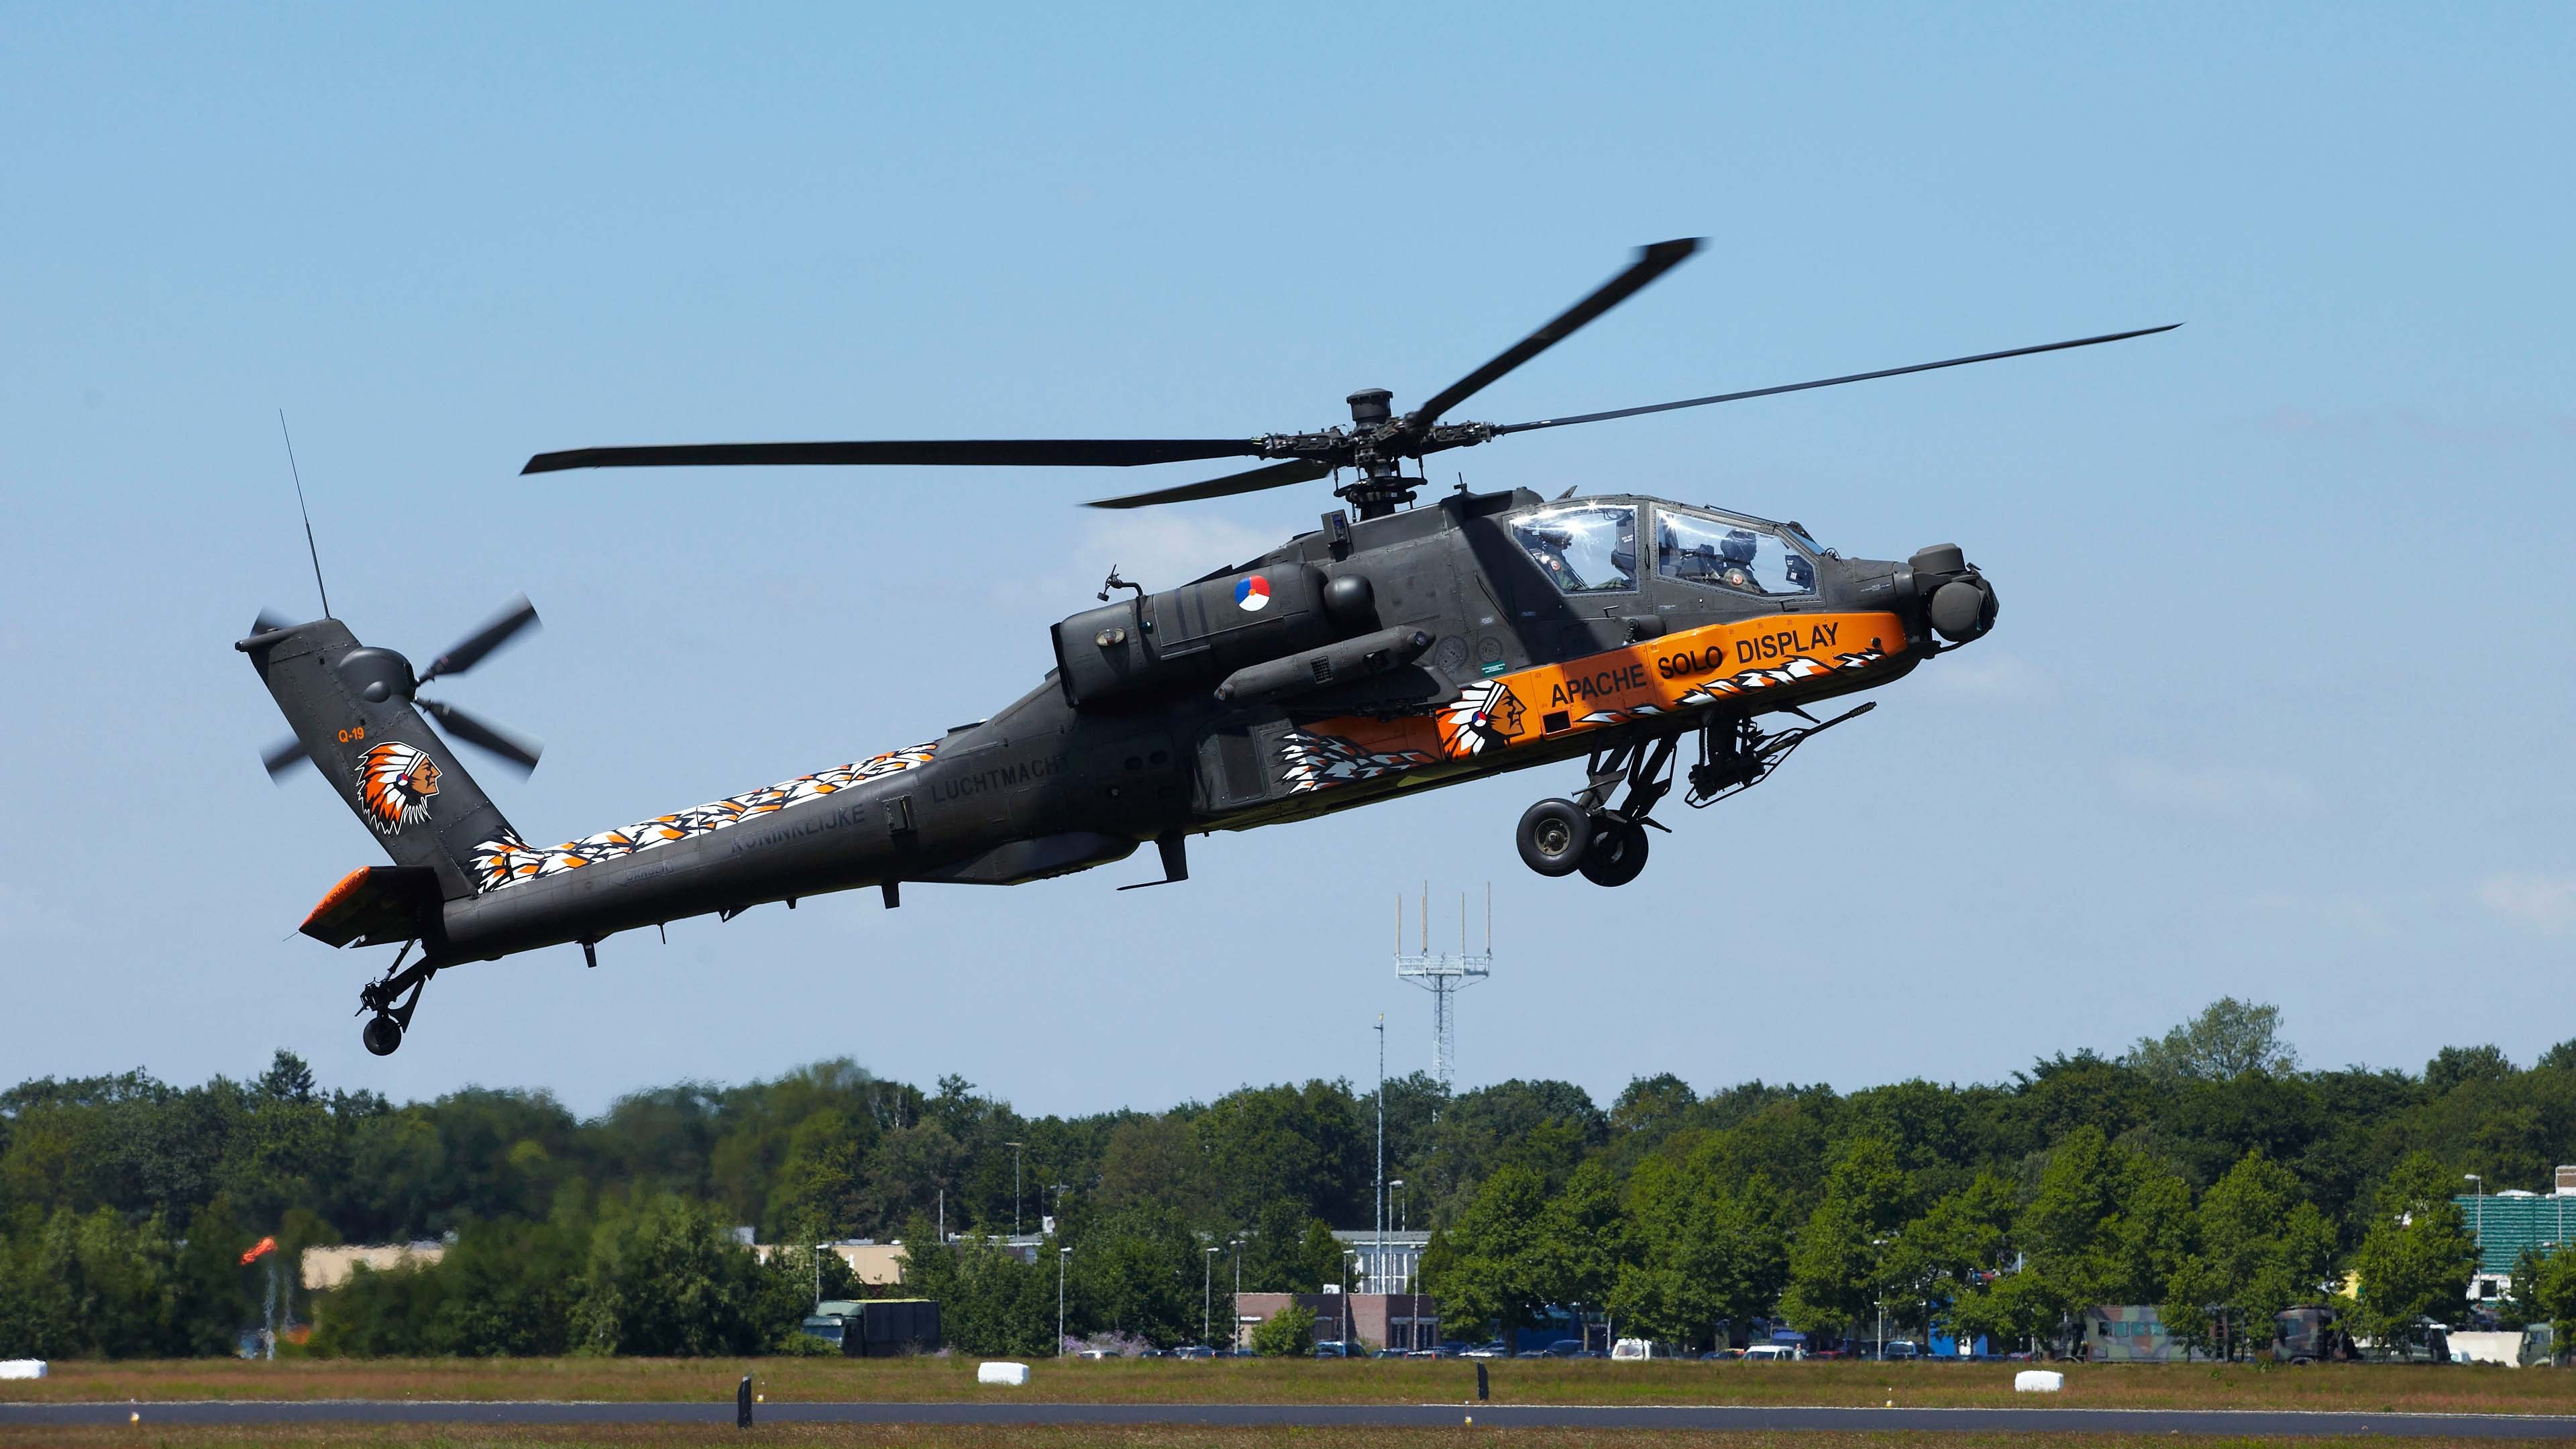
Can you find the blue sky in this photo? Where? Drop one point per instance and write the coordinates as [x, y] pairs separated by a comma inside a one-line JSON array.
[[2276, 704]]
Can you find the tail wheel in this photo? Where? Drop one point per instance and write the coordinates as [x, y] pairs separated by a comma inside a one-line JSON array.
[[382, 1035], [1553, 835], [1618, 853]]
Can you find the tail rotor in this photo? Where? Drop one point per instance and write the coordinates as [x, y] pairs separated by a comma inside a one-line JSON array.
[[518, 751]]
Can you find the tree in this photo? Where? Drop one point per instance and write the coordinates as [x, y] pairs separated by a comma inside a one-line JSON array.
[[1491, 1280], [990, 1300], [1286, 1251], [2261, 1248], [666, 1279], [1704, 1253], [1652, 1105], [1300, 1144], [2105, 1226], [2228, 1039], [1581, 1242], [1952, 1252], [1288, 1333], [2417, 1257], [2554, 1295], [2455, 1066], [1834, 1275]]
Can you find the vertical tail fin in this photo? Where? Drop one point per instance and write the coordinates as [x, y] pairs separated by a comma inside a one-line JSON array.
[[351, 708]]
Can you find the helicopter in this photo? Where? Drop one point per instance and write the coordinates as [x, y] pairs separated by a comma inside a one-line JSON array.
[[1397, 647]]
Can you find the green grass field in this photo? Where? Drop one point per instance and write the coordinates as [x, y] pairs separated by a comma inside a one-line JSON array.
[[892, 1437], [2370, 1387]]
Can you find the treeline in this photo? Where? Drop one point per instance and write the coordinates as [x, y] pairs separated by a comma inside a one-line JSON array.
[[2206, 1170]]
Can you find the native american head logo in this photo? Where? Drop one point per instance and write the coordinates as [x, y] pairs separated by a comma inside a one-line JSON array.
[[395, 781], [1485, 713]]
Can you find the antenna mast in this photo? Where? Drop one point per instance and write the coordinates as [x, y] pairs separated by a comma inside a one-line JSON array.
[[298, 475], [1444, 976]]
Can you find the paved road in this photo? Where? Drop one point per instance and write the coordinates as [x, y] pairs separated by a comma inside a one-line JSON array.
[[2033, 1421]]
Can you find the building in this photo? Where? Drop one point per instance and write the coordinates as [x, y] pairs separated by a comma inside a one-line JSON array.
[[878, 1265], [1401, 1321], [2507, 1224], [1392, 1271], [323, 1269]]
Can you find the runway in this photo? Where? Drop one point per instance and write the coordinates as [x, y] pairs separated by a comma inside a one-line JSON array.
[[2245, 1422]]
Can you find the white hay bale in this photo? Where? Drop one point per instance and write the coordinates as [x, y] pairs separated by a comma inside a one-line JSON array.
[[22, 1368], [2038, 1381], [1009, 1375]]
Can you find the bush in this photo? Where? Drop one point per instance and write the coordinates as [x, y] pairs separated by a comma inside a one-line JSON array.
[[1288, 1333]]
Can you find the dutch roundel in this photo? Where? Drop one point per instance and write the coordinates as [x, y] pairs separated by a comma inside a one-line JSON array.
[[1252, 595]]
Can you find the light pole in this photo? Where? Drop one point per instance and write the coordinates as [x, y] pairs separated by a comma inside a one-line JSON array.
[[1207, 1297], [1377, 1266], [1015, 1185], [2480, 1231], [1235, 1330], [1348, 1256], [1405, 1205], [1060, 1255], [818, 1275]]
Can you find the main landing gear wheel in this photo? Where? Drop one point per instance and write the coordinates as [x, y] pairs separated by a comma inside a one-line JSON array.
[[382, 1035], [1553, 835], [1617, 853]]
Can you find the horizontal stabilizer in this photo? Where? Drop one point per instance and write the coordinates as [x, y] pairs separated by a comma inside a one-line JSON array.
[[376, 905]]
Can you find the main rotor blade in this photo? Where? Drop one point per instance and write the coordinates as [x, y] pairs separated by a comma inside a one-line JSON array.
[[515, 615], [268, 622], [519, 750], [1651, 262], [995, 453], [1827, 381], [283, 756], [1277, 475]]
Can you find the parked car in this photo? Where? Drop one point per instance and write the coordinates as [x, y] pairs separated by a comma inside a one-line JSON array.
[[1494, 1349], [1721, 1355], [1900, 1349], [1333, 1348], [1771, 1353], [1194, 1350], [1099, 1353]]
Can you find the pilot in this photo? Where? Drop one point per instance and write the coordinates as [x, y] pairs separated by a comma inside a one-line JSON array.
[[1548, 546], [1737, 550]]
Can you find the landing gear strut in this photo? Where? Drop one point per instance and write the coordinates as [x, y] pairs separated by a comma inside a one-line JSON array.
[[392, 1000], [1607, 844]]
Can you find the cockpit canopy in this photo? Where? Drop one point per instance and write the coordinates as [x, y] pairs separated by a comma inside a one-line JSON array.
[[1591, 548]]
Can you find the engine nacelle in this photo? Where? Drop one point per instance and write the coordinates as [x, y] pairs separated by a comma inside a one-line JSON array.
[[1196, 634]]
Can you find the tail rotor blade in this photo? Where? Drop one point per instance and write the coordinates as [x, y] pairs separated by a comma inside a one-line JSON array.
[[516, 615], [283, 756], [517, 749]]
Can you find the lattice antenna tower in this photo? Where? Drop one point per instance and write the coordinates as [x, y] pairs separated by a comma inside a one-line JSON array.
[[1444, 975]]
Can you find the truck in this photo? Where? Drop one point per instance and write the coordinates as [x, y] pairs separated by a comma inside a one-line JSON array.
[[877, 1327]]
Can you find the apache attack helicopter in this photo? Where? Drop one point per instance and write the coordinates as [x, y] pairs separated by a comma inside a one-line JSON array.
[[1397, 650]]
